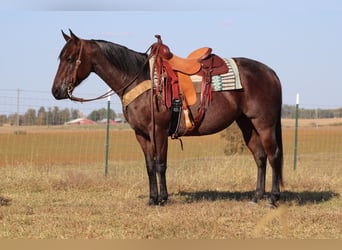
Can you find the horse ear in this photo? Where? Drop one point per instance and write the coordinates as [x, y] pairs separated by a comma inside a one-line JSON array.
[[73, 36], [66, 37]]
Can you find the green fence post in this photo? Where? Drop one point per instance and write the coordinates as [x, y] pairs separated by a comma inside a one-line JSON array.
[[107, 135]]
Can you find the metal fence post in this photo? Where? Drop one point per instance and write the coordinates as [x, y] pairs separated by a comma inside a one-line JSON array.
[[107, 135]]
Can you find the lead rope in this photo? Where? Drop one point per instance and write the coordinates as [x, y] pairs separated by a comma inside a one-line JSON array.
[[152, 70]]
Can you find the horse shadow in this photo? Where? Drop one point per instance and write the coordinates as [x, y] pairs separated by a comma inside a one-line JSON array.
[[299, 198]]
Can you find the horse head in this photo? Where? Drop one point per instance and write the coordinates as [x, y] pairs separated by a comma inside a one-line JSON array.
[[74, 66]]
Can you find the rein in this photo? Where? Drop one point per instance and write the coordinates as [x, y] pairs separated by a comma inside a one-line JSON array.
[[109, 92]]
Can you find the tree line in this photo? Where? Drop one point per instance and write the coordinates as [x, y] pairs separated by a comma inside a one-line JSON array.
[[52, 116], [289, 111], [57, 116]]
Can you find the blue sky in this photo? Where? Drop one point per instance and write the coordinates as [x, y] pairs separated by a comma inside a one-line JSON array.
[[300, 40]]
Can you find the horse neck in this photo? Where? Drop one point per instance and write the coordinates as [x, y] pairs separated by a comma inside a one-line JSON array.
[[119, 77]]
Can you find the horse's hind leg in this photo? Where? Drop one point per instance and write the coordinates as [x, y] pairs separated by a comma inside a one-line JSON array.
[[273, 149], [254, 144], [272, 143]]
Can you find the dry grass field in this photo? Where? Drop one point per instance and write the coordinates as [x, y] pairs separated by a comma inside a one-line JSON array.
[[52, 186]]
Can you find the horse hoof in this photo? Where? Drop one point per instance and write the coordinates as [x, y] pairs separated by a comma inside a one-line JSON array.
[[152, 202], [271, 205], [162, 203], [253, 203]]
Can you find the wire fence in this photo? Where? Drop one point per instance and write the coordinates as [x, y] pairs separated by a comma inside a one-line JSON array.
[[319, 139], [15, 102]]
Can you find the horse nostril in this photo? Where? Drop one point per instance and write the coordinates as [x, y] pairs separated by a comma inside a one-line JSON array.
[[58, 93], [55, 92]]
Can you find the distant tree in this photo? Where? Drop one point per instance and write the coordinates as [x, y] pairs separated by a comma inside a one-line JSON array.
[[338, 113], [75, 113], [12, 118], [49, 117], [288, 111], [64, 115], [56, 119], [112, 114], [41, 117], [30, 117], [100, 114], [3, 119]]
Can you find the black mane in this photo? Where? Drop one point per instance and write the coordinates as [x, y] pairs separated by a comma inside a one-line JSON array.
[[121, 57]]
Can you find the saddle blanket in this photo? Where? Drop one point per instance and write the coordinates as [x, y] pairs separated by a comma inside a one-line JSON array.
[[224, 82]]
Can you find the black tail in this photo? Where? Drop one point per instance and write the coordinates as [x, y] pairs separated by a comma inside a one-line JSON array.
[[279, 139], [280, 160]]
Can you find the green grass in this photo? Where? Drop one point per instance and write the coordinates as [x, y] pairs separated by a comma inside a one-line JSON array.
[[51, 192]]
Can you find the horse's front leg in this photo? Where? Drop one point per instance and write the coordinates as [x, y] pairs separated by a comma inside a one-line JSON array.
[[150, 167], [152, 179], [161, 166], [161, 173], [156, 164]]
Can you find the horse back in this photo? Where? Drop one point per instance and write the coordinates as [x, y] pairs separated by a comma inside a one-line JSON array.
[[261, 86]]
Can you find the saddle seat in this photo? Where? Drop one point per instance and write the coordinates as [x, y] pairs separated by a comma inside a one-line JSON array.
[[192, 64], [209, 64], [200, 54]]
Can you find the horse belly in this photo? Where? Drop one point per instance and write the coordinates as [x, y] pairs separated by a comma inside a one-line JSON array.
[[220, 113]]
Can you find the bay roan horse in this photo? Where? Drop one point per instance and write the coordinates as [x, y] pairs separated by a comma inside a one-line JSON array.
[[256, 108]]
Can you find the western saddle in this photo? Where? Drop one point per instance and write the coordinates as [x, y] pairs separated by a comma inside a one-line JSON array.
[[174, 72]]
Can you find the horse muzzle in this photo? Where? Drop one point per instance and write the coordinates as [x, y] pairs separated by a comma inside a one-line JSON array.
[[61, 92]]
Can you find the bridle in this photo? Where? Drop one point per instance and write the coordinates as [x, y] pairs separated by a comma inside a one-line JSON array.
[[110, 92], [73, 79]]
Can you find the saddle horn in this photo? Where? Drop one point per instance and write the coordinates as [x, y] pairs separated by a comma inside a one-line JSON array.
[[158, 38], [161, 49]]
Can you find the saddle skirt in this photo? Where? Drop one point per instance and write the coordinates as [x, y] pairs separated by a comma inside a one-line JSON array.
[[223, 82]]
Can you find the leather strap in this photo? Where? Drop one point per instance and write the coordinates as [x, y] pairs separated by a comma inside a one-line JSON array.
[[132, 94]]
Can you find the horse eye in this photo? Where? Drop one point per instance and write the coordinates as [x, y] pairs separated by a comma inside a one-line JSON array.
[[70, 59]]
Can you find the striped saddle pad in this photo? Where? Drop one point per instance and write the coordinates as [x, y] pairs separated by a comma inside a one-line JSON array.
[[224, 82]]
